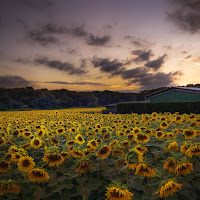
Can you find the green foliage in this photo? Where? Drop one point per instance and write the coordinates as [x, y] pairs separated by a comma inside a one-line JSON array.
[[28, 98], [172, 107]]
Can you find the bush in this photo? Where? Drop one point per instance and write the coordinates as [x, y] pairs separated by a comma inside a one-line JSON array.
[[181, 107]]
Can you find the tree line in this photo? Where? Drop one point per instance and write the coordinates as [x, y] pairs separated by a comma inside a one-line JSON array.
[[29, 98]]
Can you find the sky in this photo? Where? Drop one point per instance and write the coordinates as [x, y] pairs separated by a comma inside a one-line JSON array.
[[86, 45]]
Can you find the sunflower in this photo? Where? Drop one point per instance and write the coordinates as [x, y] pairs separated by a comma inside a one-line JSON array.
[[118, 152], [16, 133], [93, 144], [143, 170], [136, 130], [164, 125], [27, 134], [192, 117], [184, 169], [38, 175], [73, 130], [77, 153], [53, 159], [4, 166], [132, 166], [25, 164], [7, 157], [193, 151], [107, 136], [36, 143], [170, 165], [189, 134], [7, 187], [173, 146], [140, 149], [178, 118], [154, 115], [2, 141], [61, 131], [40, 133], [121, 162], [70, 143], [125, 144], [142, 138], [169, 188], [79, 139], [83, 166], [159, 134], [104, 151], [130, 136], [65, 155], [114, 143], [16, 157], [54, 141], [99, 141], [185, 147], [118, 193]]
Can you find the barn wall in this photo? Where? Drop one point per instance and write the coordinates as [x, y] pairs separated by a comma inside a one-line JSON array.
[[176, 95]]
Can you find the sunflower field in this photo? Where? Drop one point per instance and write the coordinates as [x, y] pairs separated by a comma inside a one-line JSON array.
[[82, 154]]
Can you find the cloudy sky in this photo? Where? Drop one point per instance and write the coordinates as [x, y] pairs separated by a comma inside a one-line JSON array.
[[119, 45]]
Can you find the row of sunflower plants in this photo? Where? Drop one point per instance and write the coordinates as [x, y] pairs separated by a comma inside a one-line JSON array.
[[83, 154]]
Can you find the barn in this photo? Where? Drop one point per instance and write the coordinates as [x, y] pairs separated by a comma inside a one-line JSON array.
[[175, 94]]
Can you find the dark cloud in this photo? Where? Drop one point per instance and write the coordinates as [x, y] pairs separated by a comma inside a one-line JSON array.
[[40, 38], [138, 72], [52, 28], [142, 55], [78, 31], [186, 14], [183, 52], [139, 42], [77, 83], [137, 52], [150, 81], [9, 81], [156, 64], [97, 41], [189, 56], [59, 65], [113, 67], [70, 51], [141, 77]]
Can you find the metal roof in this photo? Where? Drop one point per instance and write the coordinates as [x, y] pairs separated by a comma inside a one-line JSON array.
[[179, 88]]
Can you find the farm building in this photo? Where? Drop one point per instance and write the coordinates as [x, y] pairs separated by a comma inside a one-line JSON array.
[[113, 107], [175, 94]]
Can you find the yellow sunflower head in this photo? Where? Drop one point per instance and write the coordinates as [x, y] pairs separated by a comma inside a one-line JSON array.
[[79, 139], [7, 187], [104, 151], [142, 138], [144, 170], [36, 143], [77, 153], [118, 193], [83, 166], [4, 166], [38, 175], [25, 163], [189, 134], [169, 188], [184, 169], [53, 159]]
